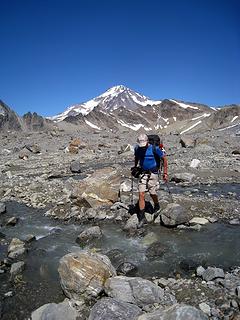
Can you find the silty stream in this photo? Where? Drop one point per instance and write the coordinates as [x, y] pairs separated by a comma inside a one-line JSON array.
[[215, 245]]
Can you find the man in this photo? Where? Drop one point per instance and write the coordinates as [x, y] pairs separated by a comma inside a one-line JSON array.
[[145, 156]]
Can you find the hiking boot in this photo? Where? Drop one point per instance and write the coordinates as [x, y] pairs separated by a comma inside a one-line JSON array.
[[142, 219], [156, 211]]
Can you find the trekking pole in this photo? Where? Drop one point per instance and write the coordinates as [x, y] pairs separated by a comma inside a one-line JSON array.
[[132, 191], [170, 193]]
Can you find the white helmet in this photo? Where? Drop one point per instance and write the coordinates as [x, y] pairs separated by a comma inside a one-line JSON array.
[[142, 140]]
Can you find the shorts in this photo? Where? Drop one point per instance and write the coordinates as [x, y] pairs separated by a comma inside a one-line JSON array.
[[148, 182]]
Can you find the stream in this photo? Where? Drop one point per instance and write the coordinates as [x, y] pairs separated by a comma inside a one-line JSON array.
[[215, 245]]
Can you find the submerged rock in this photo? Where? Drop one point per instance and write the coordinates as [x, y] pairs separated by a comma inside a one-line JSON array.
[[17, 268], [156, 250], [89, 234], [16, 248], [2, 207], [127, 269]]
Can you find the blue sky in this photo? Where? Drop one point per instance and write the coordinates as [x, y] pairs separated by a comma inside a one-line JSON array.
[[55, 53]]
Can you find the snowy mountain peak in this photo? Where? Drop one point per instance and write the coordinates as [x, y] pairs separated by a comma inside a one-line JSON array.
[[112, 99]]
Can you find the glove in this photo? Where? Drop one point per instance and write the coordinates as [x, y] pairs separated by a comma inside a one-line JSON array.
[[136, 171], [165, 177]]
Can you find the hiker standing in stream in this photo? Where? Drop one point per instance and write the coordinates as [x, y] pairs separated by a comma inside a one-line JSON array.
[[148, 157]]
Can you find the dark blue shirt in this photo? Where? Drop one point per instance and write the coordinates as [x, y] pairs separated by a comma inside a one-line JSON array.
[[146, 157]]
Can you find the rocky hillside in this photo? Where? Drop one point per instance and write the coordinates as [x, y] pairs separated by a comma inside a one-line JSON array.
[[9, 120]]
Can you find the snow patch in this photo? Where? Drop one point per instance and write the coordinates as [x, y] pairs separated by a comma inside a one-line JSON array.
[[235, 125], [202, 116], [134, 127], [234, 118], [184, 105], [92, 125], [194, 125]]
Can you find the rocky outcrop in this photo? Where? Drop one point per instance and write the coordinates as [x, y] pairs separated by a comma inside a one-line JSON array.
[[35, 122], [174, 215], [9, 120]]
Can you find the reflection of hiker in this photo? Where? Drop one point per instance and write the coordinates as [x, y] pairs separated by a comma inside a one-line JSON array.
[[147, 156]]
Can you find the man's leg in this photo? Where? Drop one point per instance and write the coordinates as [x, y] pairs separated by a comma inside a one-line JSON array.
[[153, 187], [141, 200]]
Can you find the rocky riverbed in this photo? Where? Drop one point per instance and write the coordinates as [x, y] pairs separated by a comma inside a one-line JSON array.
[[72, 181]]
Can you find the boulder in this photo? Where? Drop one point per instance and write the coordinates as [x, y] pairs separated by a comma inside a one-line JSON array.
[[198, 220], [60, 311], [12, 221], [116, 256], [16, 248], [89, 234], [84, 274], [2, 207], [34, 148], [101, 188], [212, 273], [17, 268], [175, 312], [173, 215], [127, 269], [131, 223], [183, 177], [187, 142], [135, 290], [194, 163], [112, 309], [24, 154], [75, 167]]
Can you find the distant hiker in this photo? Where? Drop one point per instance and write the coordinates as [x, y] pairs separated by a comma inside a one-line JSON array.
[[148, 156]]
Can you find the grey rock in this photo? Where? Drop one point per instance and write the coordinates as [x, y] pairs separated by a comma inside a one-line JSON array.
[[111, 309], [127, 269], [116, 256], [2, 207], [84, 274], [212, 273], [205, 308], [200, 270], [89, 234], [173, 215], [135, 290], [131, 223], [175, 312], [183, 177], [187, 142], [238, 291], [34, 148], [53, 311], [17, 268], [16, 248], [156, 250], [12, 221], [234, 222], [75, 167]]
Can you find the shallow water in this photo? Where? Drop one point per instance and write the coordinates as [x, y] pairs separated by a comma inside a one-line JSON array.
[[215, 245]]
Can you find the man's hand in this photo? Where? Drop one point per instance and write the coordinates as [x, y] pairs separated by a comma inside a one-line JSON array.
[[165, 177]]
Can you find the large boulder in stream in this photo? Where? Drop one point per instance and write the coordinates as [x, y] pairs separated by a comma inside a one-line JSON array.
[[175, 312], [111, 309], [16, 248], [83, 274], [174, 215], [136, 290]]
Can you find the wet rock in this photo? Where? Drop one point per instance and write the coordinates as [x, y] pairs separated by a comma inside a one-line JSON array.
[[112, 309], [198, 220], [205, 308], [116, 256], [156, 250], [127, 269], [195, 163], [84, 273], [135, 290], [75, 167], [12, 221], [173, 215], [17, 268], [187, 265], [16, 248], [183, 177], [212, 273], [89, 234], [2, 235], [179, 312], [149, 239], [60, 311], [131, 223], [2, 207], [29, 238]]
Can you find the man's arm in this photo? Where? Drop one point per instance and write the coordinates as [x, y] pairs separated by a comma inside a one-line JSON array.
[[165, 168]]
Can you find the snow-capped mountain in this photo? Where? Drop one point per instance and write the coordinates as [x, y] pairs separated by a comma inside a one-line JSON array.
[[112, 99]]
